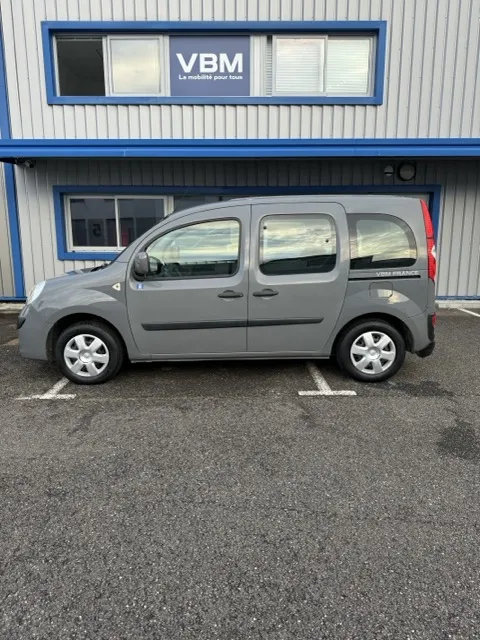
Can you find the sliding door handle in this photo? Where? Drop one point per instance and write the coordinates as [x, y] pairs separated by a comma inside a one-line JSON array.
[[229, 294], [265, 293]]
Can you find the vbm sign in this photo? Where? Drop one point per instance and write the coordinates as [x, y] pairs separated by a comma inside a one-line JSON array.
[[209, 66], [212, 63]]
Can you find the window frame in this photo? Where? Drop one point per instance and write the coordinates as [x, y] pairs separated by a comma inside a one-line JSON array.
[[71, 248], [293, 216], [256, 30], [145, 246], [326, 38]]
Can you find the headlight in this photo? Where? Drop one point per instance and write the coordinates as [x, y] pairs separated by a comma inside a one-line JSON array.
[[35, 292]]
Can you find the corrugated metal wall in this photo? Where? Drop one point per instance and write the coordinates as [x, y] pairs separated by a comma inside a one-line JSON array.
[[431, 85], [459, 271], [6, 275]]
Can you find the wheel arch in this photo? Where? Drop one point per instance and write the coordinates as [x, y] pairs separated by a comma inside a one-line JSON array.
[[67, 321], [396, 322]]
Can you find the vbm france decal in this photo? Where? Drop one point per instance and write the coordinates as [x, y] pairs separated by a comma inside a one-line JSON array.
[[396, 274]]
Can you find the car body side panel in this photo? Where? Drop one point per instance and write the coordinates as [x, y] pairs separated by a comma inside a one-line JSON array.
[[98, 293], [359, 302]]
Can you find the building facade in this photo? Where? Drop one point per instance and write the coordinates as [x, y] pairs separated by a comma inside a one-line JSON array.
[[115, 113]]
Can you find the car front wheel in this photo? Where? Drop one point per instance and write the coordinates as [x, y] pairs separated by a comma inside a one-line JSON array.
[[89, 353]]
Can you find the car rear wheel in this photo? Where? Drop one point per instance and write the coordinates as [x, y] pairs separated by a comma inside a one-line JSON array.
[[371, 351], [89, 353]]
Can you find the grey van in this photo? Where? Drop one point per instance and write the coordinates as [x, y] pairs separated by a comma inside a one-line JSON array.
[[281, 277]]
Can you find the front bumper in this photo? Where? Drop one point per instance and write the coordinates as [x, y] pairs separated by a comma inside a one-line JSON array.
[[32, 334]]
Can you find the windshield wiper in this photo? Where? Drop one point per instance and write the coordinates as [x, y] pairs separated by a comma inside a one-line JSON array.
[[101, 266]]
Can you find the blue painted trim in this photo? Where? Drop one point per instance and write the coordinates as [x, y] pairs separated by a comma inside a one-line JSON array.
[[10, 299], [49, 62], [10, 185], [243, 148], [13, 223], [380, 63], [60, 191], [202, 27], [271, 100], [377, 27]]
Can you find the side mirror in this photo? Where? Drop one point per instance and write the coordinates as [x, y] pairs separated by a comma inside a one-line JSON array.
[[141, 265]]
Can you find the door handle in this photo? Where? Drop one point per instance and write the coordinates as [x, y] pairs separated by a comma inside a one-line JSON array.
[[230, 294], [265, 293]]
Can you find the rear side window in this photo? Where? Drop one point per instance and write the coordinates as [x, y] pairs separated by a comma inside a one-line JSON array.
[[297, 244], [380, 241]]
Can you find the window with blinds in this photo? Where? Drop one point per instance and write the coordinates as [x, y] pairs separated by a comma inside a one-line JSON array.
[[319, 65]]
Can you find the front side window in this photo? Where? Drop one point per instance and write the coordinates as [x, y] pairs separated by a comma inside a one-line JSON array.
[[380, 241], [110, 222], [204, 250], [297, 244]]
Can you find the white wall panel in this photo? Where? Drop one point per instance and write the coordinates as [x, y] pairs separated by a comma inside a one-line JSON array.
[[459, 236], [432, 87]]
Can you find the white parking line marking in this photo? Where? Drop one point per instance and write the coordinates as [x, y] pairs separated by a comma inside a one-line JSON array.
[[10, 343], [53, 394], [472, 313], [323, 388]]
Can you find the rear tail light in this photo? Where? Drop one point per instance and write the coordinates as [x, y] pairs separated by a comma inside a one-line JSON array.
[[431, 249]]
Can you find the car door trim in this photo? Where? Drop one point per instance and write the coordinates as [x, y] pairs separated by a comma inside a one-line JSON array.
[[283, 322], [228, 324], [181, 326]]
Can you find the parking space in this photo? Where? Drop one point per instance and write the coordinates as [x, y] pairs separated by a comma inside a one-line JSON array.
[[452, 370], [211, 500]]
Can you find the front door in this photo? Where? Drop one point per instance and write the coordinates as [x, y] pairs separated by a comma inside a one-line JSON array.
[[194, 300], [298, 276]]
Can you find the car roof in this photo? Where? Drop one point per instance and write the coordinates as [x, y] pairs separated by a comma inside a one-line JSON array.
[[359, 203]]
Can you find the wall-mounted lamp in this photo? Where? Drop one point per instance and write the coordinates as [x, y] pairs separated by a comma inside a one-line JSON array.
[[26, 163], [389, 171], [407, 171]]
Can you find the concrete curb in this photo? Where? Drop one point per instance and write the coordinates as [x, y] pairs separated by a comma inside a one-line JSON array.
[[10, 307], [458, 304]]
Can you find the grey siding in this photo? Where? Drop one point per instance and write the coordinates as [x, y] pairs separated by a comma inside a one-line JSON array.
[[431, 83], [6, 274], [459, 272]]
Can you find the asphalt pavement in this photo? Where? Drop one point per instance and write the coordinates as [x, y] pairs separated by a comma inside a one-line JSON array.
[[205, 501]]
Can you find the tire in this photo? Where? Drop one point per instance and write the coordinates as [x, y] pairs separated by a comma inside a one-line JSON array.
[[371, 351], [88, 346]]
